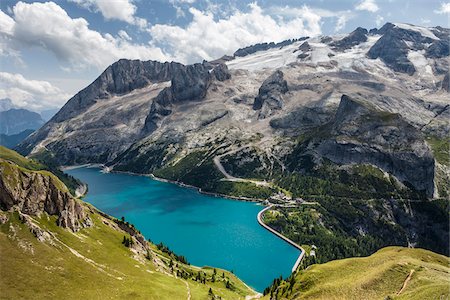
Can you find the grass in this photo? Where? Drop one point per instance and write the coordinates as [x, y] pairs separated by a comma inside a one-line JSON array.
[[440, 148], [32, 269], [379, 276], [19, 160]]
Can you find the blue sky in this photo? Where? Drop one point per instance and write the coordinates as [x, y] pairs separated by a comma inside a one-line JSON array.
[[51, 50]]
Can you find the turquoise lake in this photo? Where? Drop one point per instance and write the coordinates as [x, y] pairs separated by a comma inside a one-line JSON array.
[[207, 230]]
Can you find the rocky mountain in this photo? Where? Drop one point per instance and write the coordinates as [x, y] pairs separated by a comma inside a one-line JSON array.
[[271, 111], [14, 121]]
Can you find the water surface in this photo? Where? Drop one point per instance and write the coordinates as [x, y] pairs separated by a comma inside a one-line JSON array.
[[207, 230]]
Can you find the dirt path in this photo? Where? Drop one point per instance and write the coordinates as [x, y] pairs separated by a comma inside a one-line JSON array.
[[188, 290], [405, 283]]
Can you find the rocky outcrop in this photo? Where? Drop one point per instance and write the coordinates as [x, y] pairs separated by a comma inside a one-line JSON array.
[[358, 36], [35, 192], [438, 49], [359, 134], [221, 72], [187, 84], [270, 95], [393, 50], [265, 46], [397, 41]]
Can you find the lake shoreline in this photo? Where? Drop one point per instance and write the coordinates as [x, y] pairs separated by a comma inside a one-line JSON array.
[[152, 176], [136, 199]]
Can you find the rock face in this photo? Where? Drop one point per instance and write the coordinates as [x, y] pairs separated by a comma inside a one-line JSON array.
[[358, 36], [363, 135], [393, 51], [270, 95], [188, 83], [399, 39], [14, 121], [33, 193], [446, 83]]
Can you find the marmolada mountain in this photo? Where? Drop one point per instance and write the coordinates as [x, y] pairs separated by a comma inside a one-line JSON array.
[[344, 139]]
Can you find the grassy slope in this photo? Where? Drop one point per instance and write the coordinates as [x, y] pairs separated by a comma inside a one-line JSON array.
[[92, 263], [19, 160], [378, 276], [32, 269]]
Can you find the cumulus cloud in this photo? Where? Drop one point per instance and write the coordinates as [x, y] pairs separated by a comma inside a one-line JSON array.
[[123, 10], [206, 37], [341, 22], [48, 26], [32, 94], [341, 16], [379, 20], [444, 9], [368, 5]]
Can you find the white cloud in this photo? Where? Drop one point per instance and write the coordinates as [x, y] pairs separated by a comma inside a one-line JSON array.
[[369, 5], [124, 35], [32, 94], [208, 38], [444, 9], [123, 10], [341, 16], [47, 25], [340, 24], [379, 20]]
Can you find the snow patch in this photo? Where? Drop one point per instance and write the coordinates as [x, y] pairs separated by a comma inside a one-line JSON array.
[[425, 32], [421, 63], [269, 59]]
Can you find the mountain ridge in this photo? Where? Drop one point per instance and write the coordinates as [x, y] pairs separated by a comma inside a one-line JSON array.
[[180, 109]]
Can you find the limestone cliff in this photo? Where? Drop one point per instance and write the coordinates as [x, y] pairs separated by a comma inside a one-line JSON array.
[[36, 192]]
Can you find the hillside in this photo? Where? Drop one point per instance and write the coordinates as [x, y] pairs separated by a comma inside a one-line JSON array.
[[55, 245], [390, 273]]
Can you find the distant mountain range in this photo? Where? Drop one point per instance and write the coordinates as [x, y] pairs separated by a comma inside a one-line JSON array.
[[18, 123], [14, 121], [10, 141]]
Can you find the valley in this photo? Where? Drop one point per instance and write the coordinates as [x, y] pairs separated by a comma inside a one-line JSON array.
[[344, 139]]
